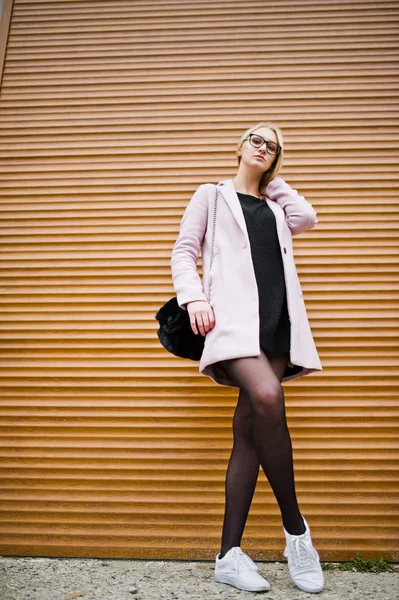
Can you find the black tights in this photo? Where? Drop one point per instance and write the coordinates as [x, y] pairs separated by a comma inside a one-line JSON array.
[[261, 437]]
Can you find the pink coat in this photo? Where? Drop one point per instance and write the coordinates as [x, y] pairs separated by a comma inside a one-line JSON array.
[[231, 281]]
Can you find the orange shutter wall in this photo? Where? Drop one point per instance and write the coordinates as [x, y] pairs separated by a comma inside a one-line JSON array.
[[111, 115]]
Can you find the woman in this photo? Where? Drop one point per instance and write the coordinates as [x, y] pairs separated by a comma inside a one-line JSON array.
[[250, 308]]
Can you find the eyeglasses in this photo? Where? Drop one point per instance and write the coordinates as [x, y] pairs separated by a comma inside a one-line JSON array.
[[257, 141]]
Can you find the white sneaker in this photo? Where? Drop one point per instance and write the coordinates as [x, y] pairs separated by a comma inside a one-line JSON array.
[[303, 561], [237, 569]]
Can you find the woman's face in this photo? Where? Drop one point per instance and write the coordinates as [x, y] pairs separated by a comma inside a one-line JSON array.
[[259, 158]]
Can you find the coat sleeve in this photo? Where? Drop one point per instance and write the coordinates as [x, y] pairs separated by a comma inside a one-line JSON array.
[[186, 280], [299, 213]]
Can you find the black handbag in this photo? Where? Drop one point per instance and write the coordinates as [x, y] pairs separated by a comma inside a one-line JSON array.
[[175, 333]]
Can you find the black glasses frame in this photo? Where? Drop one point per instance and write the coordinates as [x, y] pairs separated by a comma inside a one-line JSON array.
[[267, 142]]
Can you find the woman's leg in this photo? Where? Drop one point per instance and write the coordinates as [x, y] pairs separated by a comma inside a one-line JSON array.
[[241, 477], [243, 468], [260, 436]]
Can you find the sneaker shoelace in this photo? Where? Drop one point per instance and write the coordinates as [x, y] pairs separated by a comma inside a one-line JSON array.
[[242, 560], [304, 556]]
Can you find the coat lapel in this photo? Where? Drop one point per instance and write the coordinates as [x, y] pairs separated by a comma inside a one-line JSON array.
[[228, 192]]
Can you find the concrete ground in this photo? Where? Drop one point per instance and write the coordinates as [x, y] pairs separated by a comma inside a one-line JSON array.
[[99, 579]]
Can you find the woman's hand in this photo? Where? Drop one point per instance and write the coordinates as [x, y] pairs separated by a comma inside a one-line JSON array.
[[201, 315]]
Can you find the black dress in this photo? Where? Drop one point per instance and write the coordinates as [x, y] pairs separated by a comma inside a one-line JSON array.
[[274, 327]]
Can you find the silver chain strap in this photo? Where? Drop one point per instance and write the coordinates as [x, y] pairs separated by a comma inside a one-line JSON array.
[[213, 242]]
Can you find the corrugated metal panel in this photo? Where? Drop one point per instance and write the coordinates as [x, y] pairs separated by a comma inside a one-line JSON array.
[[5, 18], [112, 114]]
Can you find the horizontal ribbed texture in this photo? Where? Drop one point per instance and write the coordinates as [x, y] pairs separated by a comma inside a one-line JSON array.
[[111, 115]]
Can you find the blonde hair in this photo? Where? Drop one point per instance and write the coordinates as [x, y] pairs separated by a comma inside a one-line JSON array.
[[277, 163]]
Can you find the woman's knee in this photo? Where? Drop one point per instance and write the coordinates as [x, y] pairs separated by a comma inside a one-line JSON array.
[[268, 401]]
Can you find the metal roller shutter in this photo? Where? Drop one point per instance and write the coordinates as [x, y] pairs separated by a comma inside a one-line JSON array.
[[111, 115]]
